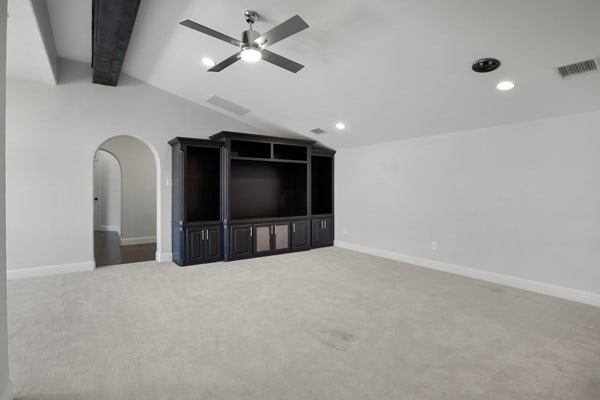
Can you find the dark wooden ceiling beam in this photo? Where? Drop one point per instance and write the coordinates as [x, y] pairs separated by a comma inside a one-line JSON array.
[[112, 25]]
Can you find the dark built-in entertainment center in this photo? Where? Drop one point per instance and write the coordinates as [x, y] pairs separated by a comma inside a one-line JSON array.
[[239, 195]]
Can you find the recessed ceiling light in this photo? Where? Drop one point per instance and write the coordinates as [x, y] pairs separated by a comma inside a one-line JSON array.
[[505, 85], [340, 126], [209, 62]]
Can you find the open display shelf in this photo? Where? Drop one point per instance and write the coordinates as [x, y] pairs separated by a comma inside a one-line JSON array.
[[267, 190], [322, 182], [202, 184], [240, 195]]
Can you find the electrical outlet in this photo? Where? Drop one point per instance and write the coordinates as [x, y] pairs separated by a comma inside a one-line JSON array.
[[344, 230], [168, 182], [434, 245]]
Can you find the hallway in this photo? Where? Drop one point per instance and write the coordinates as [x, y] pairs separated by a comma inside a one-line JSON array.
[[108, 250]]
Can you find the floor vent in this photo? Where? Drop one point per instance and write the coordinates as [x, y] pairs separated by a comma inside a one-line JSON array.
[[318, 131], [227, 105], [579, 68]]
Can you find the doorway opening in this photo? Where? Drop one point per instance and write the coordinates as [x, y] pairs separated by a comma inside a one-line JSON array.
[[125, 207]]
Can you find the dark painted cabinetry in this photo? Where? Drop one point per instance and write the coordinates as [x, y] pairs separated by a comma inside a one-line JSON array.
[[271, 238], [204, 244], [300, 235], [197, 231], [322, 232], [240, 243], [237, 196]]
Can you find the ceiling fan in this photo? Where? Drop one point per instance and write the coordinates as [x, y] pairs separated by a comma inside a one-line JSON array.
[[252, 46]]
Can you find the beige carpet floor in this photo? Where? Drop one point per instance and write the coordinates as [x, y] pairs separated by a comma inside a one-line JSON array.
[[325, 324]]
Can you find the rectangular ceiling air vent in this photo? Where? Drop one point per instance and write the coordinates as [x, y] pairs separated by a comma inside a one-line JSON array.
[[318, 131], [227, 105], [579, 68]]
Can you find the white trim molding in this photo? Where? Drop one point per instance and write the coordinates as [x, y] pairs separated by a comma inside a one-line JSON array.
[[9, 392], [49, 270], [138, 240], [507, 280], [164, 257], [110, 228]]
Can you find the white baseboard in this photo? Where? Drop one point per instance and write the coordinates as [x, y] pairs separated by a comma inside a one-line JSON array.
[[164, 257], [110, 228], [138, 240], [9, 392], [507, 280], [49, 270]]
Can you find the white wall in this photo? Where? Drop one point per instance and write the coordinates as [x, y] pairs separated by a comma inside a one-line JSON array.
[[5, 389], [52, 134], [138, 196], [518, 200], [108, 174]]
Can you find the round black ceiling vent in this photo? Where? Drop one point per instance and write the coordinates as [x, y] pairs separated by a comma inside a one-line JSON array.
[[486, 65]]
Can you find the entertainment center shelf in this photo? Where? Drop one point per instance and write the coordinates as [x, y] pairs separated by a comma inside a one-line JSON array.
[[239, 195]]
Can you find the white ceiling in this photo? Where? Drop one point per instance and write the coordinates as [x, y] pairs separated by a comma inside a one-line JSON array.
[[390, 69]]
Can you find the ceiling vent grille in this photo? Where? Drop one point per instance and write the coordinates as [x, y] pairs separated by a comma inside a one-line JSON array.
[[227, 105], [579, 68], [318, 131]]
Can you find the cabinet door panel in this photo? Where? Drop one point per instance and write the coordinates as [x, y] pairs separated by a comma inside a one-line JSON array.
[[317, 232], [300, 235], [241, 241], [262, 239], [281, 240], [328, 231], [195, 246], [214, 251]]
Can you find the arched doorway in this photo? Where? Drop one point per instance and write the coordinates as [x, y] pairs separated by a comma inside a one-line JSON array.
[[125, 202]]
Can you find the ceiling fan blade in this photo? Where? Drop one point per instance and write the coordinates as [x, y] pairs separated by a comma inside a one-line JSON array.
[[281, 61], [281, 31], [225, 63], [211, 32]]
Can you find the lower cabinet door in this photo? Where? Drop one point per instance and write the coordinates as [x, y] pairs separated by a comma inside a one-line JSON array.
[[213, 244], [262, 239], [317, 232], [281, 237], [240, 241], [300, 235], [328, 231], [195, 245]]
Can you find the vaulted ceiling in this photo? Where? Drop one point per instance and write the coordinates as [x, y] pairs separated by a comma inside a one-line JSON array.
[[390, 69]]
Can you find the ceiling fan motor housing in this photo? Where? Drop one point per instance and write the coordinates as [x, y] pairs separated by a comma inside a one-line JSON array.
[[249, 36]]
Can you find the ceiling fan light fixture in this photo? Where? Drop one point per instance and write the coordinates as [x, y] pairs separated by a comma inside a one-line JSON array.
[[250, 54]]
